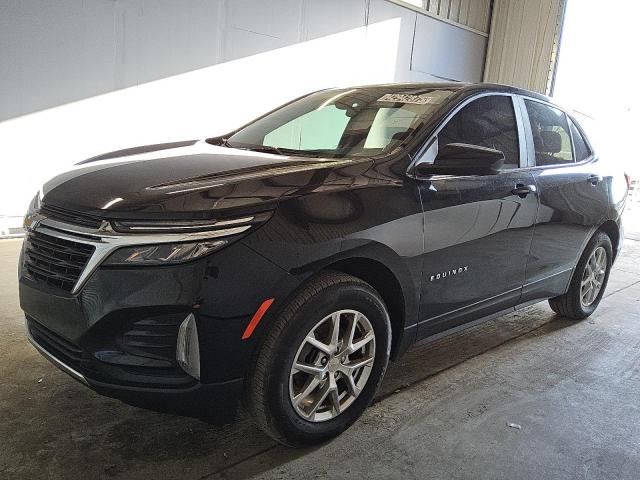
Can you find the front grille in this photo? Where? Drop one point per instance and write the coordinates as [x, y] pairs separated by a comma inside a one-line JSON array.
[[69, 216], [60, 348], [55, 261]]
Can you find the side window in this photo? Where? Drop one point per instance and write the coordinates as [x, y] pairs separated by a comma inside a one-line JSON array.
[[551, 137], [582, 149], [487, 122], [318, 129]]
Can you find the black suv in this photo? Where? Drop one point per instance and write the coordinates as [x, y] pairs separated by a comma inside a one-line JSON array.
[[285, 263]]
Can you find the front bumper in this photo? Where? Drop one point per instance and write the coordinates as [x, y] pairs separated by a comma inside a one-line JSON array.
[[118, 334], [209, 401], [214, 401]]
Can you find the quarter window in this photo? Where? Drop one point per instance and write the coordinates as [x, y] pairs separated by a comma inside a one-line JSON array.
[[551, 137], [489, 122], [582, 149]]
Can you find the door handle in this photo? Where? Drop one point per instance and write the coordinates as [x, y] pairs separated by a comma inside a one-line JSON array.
[[523, 190], [594, 179]]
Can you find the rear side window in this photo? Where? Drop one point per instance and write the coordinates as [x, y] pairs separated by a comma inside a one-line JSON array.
[[551, 137], [487, 122], [579, 144]]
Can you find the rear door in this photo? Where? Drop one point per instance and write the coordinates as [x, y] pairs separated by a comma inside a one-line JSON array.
[[478, 229], [573, 197]]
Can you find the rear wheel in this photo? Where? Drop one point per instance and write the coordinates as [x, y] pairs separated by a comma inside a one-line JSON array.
[[588, 282], [321, 362]]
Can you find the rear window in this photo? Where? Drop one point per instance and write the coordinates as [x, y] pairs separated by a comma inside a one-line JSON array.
[[551, 136]]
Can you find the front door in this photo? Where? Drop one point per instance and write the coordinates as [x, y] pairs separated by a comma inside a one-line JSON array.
[[478, 229]]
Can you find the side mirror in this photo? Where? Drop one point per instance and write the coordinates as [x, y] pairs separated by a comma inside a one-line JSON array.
[[463, 159]]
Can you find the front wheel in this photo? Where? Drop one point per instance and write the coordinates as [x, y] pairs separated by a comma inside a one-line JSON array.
[[588, 282], [321, 361]]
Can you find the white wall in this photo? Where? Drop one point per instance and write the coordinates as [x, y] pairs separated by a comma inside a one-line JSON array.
[[79, 78], [597, 73]]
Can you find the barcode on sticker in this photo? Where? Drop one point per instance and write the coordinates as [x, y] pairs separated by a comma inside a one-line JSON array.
[[426, 98]]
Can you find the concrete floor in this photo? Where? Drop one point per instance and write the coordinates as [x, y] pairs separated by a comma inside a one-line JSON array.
[[443, 412]]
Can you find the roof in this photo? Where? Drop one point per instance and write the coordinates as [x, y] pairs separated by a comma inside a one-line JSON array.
[[463, 86]]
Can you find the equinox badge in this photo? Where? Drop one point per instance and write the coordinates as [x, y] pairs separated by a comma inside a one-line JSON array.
[[448, 273]]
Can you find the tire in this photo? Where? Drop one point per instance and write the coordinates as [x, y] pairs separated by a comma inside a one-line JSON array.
[[271, 383], [571, 304]]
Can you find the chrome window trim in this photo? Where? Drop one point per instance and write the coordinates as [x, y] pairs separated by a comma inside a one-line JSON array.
[[591, 159], [106, 241]]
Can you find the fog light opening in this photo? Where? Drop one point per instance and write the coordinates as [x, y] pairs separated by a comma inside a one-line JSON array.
[[188, 348]]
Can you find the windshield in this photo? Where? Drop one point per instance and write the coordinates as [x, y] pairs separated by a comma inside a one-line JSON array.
[[341, 123]]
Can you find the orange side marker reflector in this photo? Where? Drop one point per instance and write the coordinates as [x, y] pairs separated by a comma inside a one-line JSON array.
[[256, 318]]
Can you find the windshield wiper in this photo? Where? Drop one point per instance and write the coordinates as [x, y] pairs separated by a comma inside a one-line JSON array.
[[276, 150], [266, 149]]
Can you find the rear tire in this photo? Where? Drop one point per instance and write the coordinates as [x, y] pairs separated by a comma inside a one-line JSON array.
[[275, 388], [588, 282]]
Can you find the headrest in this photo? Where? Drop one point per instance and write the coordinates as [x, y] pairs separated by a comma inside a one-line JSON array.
[[551, 141]]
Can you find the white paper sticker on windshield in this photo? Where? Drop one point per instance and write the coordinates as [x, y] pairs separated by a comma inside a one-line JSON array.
[[434, 97]]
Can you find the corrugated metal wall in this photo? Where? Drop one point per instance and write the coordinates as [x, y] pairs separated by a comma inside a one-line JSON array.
[[523, 43], [474, 14]]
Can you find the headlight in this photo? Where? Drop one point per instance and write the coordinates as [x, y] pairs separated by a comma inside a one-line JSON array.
[[178, 244], [32, 212], [189, 226], [164, 254]]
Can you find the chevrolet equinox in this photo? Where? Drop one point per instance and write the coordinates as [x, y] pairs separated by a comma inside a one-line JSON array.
[[282, 265]]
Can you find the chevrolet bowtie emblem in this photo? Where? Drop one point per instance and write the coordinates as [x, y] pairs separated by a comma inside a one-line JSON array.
[[105, 226], [32, 221]]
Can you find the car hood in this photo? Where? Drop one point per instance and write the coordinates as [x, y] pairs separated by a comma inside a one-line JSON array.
[[190, 179]]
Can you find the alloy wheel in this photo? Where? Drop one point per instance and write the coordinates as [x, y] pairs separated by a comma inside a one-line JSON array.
[[332, 365], [593, 276]]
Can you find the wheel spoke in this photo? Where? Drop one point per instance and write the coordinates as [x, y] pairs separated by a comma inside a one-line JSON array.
[[356, 364], [601, 259], [350, 332], [589, 269], [312, 384], [335, 330], [362, 342], [323, 347], [310, 369], [352, 388], [324, 391], [334, 396]]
